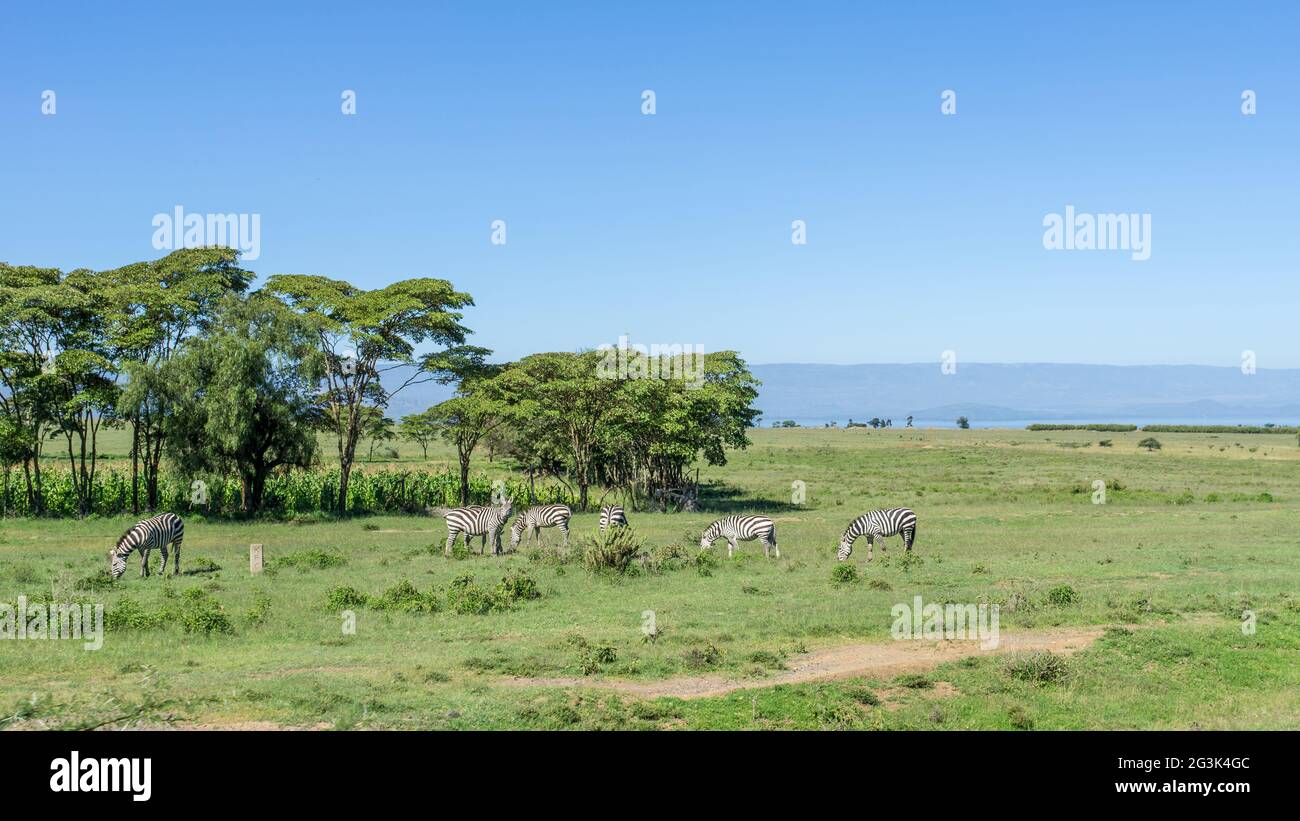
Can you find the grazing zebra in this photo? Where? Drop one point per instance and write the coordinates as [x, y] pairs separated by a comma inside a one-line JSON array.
[[877, 524], [536, 518], [160, 531], [744, 528], [612, 515], [477, 521]]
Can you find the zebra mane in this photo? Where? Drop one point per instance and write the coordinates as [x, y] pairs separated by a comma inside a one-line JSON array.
[[118, 544]]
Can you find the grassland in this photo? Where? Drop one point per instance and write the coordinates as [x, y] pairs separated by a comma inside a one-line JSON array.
[[1188, 538]]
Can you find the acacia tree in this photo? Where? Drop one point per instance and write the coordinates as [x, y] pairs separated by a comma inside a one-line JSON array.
[[244, 396], [29, 327], [365, 335], [420, 428], [84, 377], [155, 307], [566, 397], [659, 427]]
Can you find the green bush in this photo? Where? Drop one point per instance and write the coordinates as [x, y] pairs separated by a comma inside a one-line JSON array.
[[611, 551], [1039, 667], [844, 573], [1062, 595], [313, 559], [1102, 428], [405, 598], [346, 598], [201, 613]]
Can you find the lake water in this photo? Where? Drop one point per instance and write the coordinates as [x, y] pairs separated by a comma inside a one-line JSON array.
[[1023, 423]]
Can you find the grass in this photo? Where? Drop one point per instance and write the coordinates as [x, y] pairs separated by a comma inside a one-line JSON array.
[[1189, 537]]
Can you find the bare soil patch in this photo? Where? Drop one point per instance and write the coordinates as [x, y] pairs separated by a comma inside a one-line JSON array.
[[878, 660]]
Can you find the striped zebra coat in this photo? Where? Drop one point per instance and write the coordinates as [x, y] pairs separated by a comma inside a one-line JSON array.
[[612, 515], [535, 518], [745, 529], [877, 524], [159, 531], [477, 521]]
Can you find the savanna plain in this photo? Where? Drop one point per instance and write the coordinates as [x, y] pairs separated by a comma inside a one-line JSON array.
[[1168, 596]]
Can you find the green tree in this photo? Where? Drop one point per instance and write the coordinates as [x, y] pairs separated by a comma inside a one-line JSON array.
[[31, 319], [84, 376], [365, 335], [479, 408], [155, 307], [245, 396], [963, 423], [566, 397], [1150, 443], [420, 428]]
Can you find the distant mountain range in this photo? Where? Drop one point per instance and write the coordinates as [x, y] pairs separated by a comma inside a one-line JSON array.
[[991, 393], [1046, 392]]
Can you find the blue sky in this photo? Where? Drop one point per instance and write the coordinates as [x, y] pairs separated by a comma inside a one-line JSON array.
[[924, 230]]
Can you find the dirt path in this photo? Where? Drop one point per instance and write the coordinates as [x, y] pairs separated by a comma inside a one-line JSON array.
[[883, 660]]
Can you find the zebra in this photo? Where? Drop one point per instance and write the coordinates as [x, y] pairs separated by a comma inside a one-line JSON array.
[[612, 515], [477, 521], [160, 531], [877, 524], [536, 518], [744, 528]]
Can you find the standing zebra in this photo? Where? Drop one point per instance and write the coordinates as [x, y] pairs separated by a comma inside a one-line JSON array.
[[877, 524], [477, 521], [536, 518], [744, 528], [612, 515], [160, 531]]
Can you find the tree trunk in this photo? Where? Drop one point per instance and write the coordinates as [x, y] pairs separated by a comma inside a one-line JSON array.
[[345, 472], [464, 478], [245, 493], [135, 468]]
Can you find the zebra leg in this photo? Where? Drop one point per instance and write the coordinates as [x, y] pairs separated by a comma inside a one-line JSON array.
[[731, 546], [144, 563], [908, 536], [451, 540], [871, 543], [176, 557], [564, 528], [162, 568], [775, 547]]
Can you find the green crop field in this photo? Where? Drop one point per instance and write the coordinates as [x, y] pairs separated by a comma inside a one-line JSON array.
[[1134, 606]]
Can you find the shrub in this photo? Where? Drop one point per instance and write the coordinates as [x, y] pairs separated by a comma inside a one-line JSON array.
[[700, 657], [201, 613], [914, 681], [1039, 667], [404, 597], [346, 598], [1150, 443], [25, 573], [844, 573], [314, 559], [1062, 595], [95, 582], [518, 586], [129, 614], [467, 598], [201, 564], [611, 551], [260, 609]]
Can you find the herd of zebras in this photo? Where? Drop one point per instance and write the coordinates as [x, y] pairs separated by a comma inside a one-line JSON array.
[[167, 530], [487, 521]]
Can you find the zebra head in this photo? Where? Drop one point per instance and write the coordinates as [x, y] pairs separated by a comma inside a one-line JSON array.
[[709, 535], [507, 507], [846, 547], [116, 565], [516, 531]]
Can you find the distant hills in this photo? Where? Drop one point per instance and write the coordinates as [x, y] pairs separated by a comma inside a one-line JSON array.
[[993, 393]]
